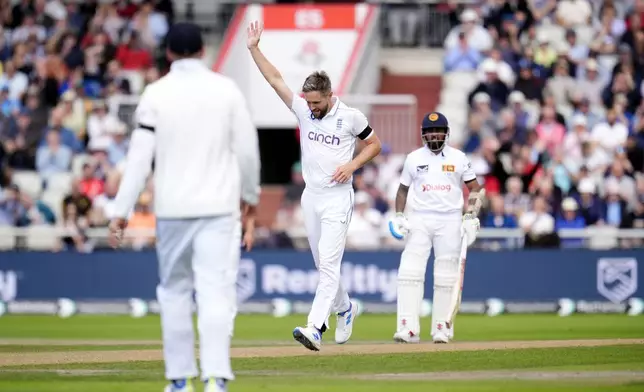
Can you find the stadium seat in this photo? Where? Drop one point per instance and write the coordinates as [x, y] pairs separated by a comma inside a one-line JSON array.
[[461, 81], [453, 96], [41, 237], [7, 238], [54, 200], [60, 182], [29, 182]]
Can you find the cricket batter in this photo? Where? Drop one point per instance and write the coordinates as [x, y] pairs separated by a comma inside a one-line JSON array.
[[196, 127], [328, 132], [436, 173]]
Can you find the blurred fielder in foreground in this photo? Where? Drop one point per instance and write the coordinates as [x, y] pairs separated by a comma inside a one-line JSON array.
[[328, 130], [436, 173], [196, 127]]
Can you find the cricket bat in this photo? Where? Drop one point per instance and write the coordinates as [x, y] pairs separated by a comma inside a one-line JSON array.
[[457, 291]]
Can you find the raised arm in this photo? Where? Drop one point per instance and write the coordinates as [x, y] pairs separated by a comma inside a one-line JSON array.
[[268, 70]]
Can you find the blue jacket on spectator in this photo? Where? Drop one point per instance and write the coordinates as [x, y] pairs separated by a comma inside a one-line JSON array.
[[591, 212], [578, 223], [67, 137]]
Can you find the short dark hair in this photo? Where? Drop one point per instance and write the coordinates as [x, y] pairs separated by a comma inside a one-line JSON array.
[[317, 81]]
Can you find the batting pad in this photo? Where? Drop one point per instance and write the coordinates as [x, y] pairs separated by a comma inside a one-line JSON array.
[[411, 288], [445, 277]]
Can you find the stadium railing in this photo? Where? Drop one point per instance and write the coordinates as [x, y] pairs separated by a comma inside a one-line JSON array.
[[43, 237]]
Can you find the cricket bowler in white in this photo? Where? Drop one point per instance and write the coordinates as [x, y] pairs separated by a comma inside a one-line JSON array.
[[328, 133], [436, 173], [194, 124]]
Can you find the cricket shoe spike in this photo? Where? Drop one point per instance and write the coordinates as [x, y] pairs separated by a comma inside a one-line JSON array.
[[309, 337], [216, 385], [344, 324], [180, 386], [406, 336]]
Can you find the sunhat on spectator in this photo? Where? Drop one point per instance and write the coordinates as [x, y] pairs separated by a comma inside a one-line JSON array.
[[516, 97], [482, 98], [569, 204], [469, 16], [579, 119], [586, 185]]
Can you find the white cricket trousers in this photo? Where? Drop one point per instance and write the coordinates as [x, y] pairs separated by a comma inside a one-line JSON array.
[[198, 255], [327, 214], [442, 232]]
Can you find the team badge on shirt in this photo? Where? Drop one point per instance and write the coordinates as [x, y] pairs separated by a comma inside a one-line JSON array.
[[338, 126], [448, 168], [422, 169]]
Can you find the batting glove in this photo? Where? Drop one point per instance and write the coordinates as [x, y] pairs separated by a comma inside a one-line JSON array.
[[399, 226], [471, 226]]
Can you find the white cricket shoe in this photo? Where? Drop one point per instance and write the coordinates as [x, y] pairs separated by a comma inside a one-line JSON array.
[[309, 336], [180, 386], [442, 334], [406, 336], [216, 385], [344, 323]]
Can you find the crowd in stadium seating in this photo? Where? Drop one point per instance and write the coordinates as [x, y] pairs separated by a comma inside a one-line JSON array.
[[61, 144], [555, 127], [556, 121]]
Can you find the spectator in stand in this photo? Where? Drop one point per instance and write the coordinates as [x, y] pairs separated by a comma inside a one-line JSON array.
[[34, 212], [539, 226], [53, 158], [16, 81], [477, 36], [117, 150], [591, 207], [142, 220], [570, 219], [132, 55], [550, 132], [610, 134], [80, 200], [89, 185], [20, 142], [461, 57], [75, 225], [498, 218], [615, 210], [492, 86], [103, 204], [11, 209], [364, 228], [99, 124]]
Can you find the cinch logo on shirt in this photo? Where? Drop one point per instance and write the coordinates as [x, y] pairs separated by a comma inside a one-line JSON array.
[[448, 168], [436, 188], [324, 139]]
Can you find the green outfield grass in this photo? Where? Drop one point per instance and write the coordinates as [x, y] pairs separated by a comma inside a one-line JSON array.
[[613, 368], [340, 373], [369, 327]]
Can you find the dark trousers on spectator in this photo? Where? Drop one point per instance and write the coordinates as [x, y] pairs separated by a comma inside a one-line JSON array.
[[542, 241]]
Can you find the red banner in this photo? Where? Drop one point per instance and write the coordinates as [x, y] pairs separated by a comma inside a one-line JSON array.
[[309, 17]]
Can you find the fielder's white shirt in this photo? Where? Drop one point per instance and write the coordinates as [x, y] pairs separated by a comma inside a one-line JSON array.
[[329, 142], [195, 125], [436, 180]]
